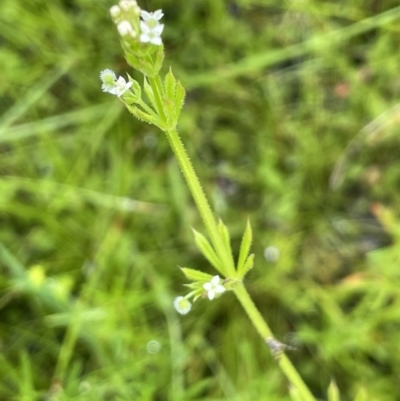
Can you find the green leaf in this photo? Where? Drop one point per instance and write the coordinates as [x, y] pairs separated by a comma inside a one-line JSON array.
[[195, 275], [169, 98], [193, 286], [158, 60], [141, 115], [150, 94], [247, 265], [223, 230], [14, 266], [137, 90], [179, 100], [170, 86], [244, 250], [148, 61], [361, 395], [207, 250], [333, 392]]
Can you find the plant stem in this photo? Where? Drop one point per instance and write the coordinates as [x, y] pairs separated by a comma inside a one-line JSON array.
[[227, 260], [68, 346], [201, 202], [262, 327]]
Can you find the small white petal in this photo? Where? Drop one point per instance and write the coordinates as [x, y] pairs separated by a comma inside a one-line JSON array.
[[158, 29], [156, 41], [144, 27], [144, 38], [145, 15], [119, 87], [207, 286], [215, 280], [219, 289], [158, 15], [211, 295]]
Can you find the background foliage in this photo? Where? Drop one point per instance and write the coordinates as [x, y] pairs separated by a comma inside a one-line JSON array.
[[291, 119]]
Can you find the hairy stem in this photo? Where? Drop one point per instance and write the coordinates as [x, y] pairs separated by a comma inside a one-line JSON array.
[[262, 327], [227, 260], [201, 202]]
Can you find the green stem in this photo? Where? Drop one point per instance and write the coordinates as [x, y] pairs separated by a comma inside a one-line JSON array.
[[217, 240], [201, 202], [262, 327], [68, 346]]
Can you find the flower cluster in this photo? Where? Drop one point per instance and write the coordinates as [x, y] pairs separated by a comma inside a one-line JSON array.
[[150, 27], [112, 85], [182, 305], [210, 289], [126, 17]]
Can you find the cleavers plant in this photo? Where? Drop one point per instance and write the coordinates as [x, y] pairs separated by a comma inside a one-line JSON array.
[[159, 101]]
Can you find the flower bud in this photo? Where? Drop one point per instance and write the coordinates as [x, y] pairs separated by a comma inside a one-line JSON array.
[[125, 28], [115, 11], [126, 5]]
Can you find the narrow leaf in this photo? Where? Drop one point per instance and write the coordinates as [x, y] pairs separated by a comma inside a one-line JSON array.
[[333, 392], [158, 60], [179, 100], [195, 275], [223, 230], [148, 90], [247, 265], [169, 86], [193, 286], [14, 266], [169, 98], [207, 250], [141, 115], [244, 249]]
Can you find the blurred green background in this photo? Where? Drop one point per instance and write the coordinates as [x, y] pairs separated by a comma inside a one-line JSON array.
[[291, 118]]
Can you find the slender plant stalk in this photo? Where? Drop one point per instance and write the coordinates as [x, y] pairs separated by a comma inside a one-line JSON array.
[[68, 346], [201, 201], [262, 327], [239, 290]]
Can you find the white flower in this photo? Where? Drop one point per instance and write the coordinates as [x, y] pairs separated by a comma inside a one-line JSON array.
[[150, 27], [121, 86], [182, 305], [151, 35], [113, 85], [151, 19], [125, 28], [214, 287]]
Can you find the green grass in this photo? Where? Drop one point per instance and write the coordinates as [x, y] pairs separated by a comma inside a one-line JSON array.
[[291, 119]]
